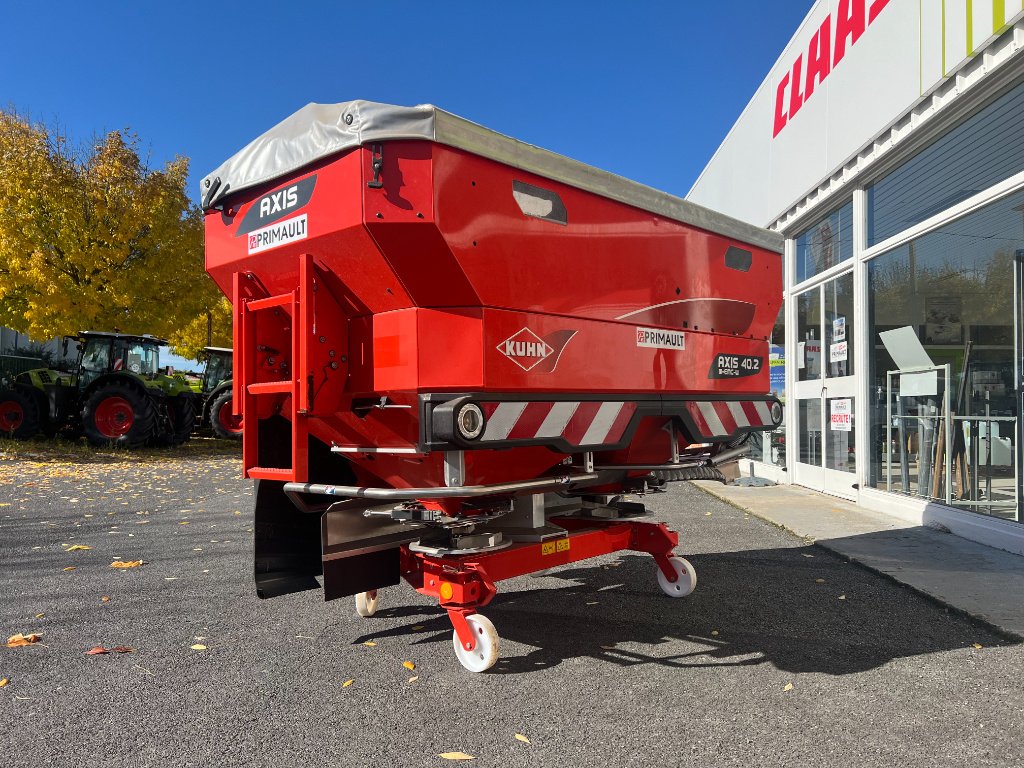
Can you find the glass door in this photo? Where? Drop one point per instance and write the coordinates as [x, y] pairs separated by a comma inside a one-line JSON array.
[[825, 388]]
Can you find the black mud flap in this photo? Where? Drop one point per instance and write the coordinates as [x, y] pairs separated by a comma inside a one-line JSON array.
[[287, 543], [362, 553]]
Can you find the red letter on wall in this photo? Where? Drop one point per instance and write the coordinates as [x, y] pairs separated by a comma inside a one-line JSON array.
[[819, 56], [876, 8], [780, 105], [849, 23], [796, 98]]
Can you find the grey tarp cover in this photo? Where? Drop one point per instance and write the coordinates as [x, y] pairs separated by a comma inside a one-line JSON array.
[[320, 130]]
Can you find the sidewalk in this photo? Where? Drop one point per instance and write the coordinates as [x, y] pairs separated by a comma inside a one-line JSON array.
[[985, 583]]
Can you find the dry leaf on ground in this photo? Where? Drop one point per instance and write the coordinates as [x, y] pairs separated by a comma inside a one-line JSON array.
[[819, 581], [78, 548], [198, 647], [126, 563], [414, 678], [978, 645], [408, 665], [105, 599], [3, 681], [789, 687], [369, 643], [71, 568], [347, 683], [99, 649], [456, 756], [520, 737], [15, 641]]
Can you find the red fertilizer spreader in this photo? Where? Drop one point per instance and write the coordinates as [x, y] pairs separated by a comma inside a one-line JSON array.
[[456, 353]]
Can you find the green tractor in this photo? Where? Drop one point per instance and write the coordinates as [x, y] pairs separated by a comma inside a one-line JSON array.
[[117, 396], [216, 394]]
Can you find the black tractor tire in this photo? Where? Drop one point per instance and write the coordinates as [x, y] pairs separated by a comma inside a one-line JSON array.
[[182, 412], [19, 415], [118, 415], [220, 428]]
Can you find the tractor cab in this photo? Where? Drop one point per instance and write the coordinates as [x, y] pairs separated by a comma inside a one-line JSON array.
[[218, 367], [103, 353]]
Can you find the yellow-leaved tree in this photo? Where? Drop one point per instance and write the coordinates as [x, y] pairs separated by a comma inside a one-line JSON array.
[[210, 329], [93, 239]]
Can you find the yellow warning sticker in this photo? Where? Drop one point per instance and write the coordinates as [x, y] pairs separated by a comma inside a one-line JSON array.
[[547, 548], [562, 545]]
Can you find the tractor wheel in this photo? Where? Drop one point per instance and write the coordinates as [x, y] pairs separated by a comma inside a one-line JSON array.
[[19, 415], [225, 424], [182, 411], [118, 415]]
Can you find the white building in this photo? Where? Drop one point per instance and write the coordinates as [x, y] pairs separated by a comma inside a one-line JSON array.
[[887, 146]]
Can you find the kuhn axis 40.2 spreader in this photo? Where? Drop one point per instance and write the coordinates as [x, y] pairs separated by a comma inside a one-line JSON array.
[[455, 352]]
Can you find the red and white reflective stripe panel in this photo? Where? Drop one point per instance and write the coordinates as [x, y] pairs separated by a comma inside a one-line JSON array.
[[578, 423], [722, 418], [118, 364]]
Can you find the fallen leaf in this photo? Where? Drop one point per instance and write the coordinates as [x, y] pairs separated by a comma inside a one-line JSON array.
[[105, 599], [78, 548], [417, 628], [183, 522], [978, 645], [198, 647], [408, 665], [40, 615], [842, 597], [15, 641], [414, 678], [4, 681], [520, 737], [347, 683], [369, 643], [71, 568], [714, 633], [789, 687], [96, 651], [126, 563], [122, 649], [456, 756], [819, 581]]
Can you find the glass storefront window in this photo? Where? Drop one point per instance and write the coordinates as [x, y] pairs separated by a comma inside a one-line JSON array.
[[947, 297], [770, 447], [984, 149], [837, 352], [827, 243], [808, 335]]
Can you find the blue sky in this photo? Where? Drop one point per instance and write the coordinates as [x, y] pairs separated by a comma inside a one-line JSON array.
[[644, 89]]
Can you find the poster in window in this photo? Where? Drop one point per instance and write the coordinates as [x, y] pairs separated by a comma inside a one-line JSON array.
[[942, 318]]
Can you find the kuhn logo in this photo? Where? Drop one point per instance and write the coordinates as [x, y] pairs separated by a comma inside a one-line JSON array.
[[526, 349]]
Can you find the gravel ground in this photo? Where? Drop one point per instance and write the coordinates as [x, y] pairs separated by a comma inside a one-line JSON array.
[[597, 666]]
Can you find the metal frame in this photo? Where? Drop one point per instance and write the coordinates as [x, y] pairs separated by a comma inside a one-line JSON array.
[[945, 418]]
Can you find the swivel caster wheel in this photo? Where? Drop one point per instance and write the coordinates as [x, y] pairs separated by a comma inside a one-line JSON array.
[[485, 652], [366, 603], [686, 578]]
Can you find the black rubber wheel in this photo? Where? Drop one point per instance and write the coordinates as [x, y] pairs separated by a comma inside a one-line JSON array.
[[120, 415], [222, 421], [182, 412], [19, 415]]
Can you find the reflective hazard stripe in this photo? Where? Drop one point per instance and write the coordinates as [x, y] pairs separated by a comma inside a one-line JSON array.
[[591, 423], [725, 418]]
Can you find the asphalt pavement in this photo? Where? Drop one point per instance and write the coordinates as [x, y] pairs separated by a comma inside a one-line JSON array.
[[785, 655]]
